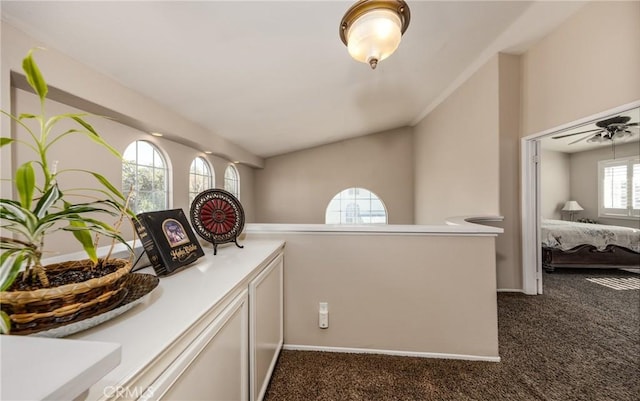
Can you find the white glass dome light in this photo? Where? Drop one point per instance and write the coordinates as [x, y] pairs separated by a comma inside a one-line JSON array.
[[374, 36], [372, 29]]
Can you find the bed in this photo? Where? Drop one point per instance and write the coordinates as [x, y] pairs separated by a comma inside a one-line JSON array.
[[573, 244]]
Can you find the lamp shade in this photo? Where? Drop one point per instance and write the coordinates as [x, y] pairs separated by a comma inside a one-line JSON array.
[[572, 206]]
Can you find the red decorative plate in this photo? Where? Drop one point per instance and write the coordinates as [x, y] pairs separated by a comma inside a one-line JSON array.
[[217, 216]]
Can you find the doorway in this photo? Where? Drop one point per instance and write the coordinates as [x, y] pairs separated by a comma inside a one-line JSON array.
[[531, 196]]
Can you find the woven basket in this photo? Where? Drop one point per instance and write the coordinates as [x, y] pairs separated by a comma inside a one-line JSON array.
[[47, 308]]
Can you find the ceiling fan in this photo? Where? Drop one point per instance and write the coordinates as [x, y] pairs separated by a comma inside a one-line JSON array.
[[609, 129]]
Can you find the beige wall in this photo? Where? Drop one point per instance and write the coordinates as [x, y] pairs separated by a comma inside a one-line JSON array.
[[412, 293], [555, 183], [297, 187], [134, 116], [457, 152], [247, 190], [79, 152], [569, 75], [584, 180], [508, 245], [474, 168], [563, 78], [589, 64]]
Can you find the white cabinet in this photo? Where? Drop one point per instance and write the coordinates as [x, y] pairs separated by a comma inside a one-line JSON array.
[[190, 339], [214, 366], [265, 326], [233, 356]]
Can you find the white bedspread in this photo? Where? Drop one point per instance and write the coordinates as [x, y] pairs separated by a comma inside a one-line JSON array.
[[566, 235]]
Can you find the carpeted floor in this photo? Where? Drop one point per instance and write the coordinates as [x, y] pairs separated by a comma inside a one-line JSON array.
[[578, 341]]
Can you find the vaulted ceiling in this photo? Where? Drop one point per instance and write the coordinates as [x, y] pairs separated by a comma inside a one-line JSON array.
[[273, 76]]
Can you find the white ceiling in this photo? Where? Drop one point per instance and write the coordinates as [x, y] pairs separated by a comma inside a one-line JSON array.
[[273, 76]]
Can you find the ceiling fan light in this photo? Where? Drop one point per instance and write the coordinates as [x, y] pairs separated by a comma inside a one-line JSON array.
[[596, 139]]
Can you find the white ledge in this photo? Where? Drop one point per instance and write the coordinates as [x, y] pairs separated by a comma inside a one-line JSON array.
[[453, 226]]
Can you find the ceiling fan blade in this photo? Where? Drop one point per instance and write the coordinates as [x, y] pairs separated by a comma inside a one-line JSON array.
[[632, 124], [575, 133], [581, 139]]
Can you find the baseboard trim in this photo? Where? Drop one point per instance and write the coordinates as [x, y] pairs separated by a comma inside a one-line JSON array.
[[510, 290], [433, 355]]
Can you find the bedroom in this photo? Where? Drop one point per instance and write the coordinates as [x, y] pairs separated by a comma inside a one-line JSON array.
[[589, 194]]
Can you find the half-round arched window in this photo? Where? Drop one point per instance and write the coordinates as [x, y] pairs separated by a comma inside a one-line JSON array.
[[145, 173], [232, 180], [356, 206], [200, 177]]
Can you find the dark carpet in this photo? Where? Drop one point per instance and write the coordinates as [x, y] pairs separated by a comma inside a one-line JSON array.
[[578, 341]]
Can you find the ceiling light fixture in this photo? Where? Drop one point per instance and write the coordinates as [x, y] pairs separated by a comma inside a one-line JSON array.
[[157, 134], [372, 29]]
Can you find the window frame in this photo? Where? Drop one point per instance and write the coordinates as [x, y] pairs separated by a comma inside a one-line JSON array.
[[210, 176], [344, 212], [628, 213], [133, 205], [236, 180]]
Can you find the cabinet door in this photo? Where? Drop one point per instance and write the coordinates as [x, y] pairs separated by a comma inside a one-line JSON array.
[[265, 326], [214, 366]]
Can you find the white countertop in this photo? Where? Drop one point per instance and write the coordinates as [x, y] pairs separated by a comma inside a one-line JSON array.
[[35, 368]]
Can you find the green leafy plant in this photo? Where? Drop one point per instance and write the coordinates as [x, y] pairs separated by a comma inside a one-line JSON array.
[[42, 207]]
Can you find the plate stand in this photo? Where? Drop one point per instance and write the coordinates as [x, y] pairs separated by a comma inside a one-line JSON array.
[[215, 245]]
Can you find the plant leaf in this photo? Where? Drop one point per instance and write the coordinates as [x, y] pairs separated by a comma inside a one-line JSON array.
[[83, 236], [5, 323], [90, 132], [34, 76], [94, 135], [108, 185], [14, 209], [25, 183], [5, 141], [46, 201], [10, 265]]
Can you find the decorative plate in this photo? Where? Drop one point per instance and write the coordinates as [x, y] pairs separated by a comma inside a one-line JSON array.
[[217, 216], [138, 286]]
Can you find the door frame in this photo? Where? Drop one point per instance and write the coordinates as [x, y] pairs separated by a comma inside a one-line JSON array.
[[530, 195]]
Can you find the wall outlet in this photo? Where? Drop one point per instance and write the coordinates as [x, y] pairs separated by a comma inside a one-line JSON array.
[[323, 315]]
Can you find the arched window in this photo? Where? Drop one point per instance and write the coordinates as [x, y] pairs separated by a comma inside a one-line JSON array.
[[200, 177], [145, 173], [232, 180], [356, 206]]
